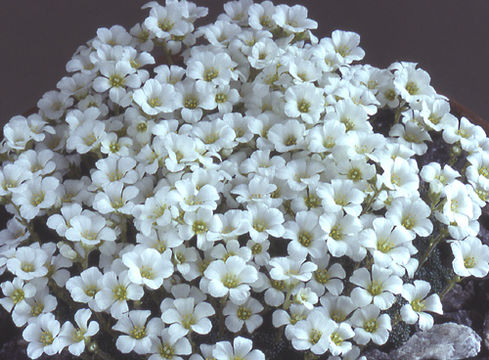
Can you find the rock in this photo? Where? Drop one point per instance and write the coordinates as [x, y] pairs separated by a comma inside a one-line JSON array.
[[486, 331], [458, 296], [375, 354], [448, 341]]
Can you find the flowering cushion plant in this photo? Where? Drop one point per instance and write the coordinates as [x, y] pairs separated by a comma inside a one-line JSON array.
[[186, 190]]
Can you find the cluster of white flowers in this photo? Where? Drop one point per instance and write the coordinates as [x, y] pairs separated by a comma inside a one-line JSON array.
[[185, 182]]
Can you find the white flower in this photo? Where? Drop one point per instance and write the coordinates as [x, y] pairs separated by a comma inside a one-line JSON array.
[[155, 97], [458, 208], [241, 349], [16, 291], [115, 78], [185, 315], [148, 267], [203, 223], [264, 221], [35, 195], [411, 215], [412, 84], [115, 198], [305, 101], [139, 334], [378, 287], [90, 229], [28, 263], [232, 278], [293, 18], [116, 289], [305, 234], [437, 177], [341, 194], [471, 257], [341, 231], [287, 136], [83, 288], [42, 336], [169, 345], [370, 325], [245, 314], [75, 338], [418, 303], [215, 68]]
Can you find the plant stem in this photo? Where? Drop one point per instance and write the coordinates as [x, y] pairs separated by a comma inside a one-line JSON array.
[[449, 286], [433, 243]]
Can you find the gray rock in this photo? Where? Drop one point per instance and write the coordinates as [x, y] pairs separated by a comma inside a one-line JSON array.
[[375, 354], [486, 331], [457, 297], [461, 317], [448, 341]]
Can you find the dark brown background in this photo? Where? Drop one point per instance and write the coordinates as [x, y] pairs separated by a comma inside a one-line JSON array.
[[448, 38]]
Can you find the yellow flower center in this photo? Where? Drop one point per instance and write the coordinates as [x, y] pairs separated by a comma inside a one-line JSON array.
[[408, 222], [244, 313], [256, 249], [259, 225], [412, 88], [120, 293], [315, 336], [46, 338], [221, 98], [114, 147], [375, 288], [78, 335], [303, 106], [142, 127], [116, 80], [384, 245], [305, 238], [210, 74], [321, 276], [154, 102], [199, 227], [37, 198], [187, 321], [191, 102], [336, 338], [418, 305], [230, 280], [37, 309], [370, 325], [91, 290], [167, 351], [165, 24], [290, 141], [469, 262], [17, 296], [336, 232], [354, 174], [146, 272], [138, 332], [27, 267]]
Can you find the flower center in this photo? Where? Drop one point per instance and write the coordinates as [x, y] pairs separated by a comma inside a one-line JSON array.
[[165, 24], [395, 179], [418, 305], [305, 238], [210, 74], [256, 249], [116, 80], [259, 225], [187, 321], [384, 245], [120, 293], [244, 313], [484, 171], [221, 98], [354, 174], [278, 284], [370, 325], [114, 147], [199, 227], [230, 280], [142, 127], [167, 351], [290, 141], [336, 338], [408, 222], [27, 267], [191, 102], [37, 309], [17, 296], [349, 124], [390, 94], [89, 235], [338, 316], [375, 288], [78, 335], [46, 338], [37, 198], [336, 232], [303, 106], [91, 290], [343, 50], [138, 332], [154, 102], [321, 276], [315, 336], [469, 262], [146, 272], [412, 88]]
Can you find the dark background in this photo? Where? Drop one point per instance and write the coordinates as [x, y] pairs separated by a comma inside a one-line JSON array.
[[448, 38]]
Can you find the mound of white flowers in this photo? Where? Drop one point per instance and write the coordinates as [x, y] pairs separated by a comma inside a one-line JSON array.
[[189, 190]]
